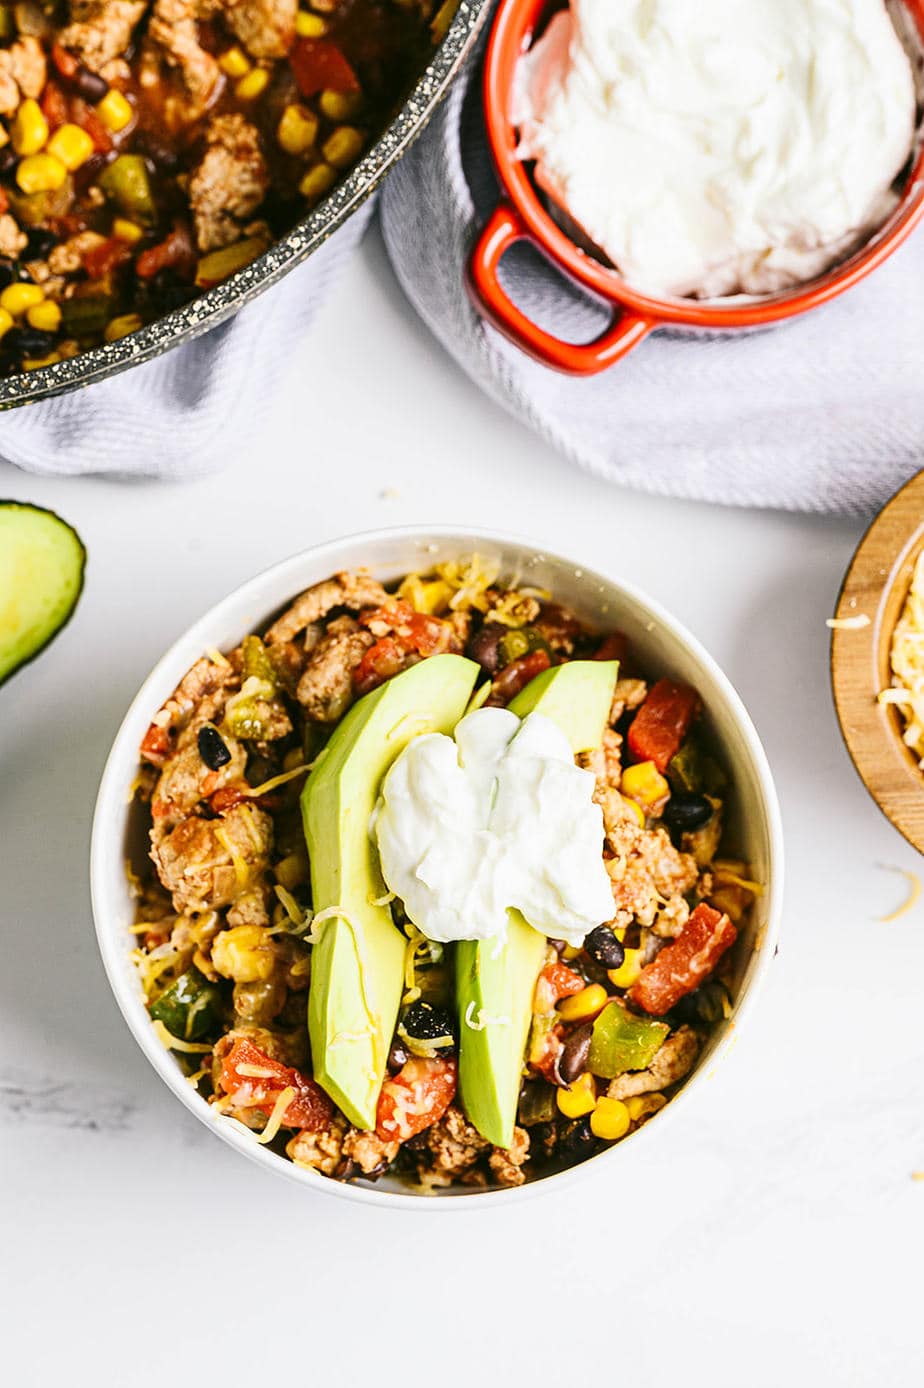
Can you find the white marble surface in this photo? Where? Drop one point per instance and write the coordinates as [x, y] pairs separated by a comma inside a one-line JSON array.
[[773, 1235]]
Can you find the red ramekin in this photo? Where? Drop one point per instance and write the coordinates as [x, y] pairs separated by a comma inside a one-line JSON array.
[[521, 215]]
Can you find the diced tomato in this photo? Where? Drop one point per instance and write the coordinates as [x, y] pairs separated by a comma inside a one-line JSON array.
[[613, 647], [54, 105], [415, 1098], [547, 1055], [516, 676], [319, 65], [662, 722], [386, 658], [82, 114], [66, 62], [226, 798], [683, 964], [175, 252], [417, 631], [155, 745], [4, 201], [99, 260], [556, 981], [309, 1109]]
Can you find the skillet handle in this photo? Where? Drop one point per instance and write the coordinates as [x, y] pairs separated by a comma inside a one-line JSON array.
[[503, 228]]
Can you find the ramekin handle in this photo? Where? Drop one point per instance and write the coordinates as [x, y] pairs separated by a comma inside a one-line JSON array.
[[503, 228]]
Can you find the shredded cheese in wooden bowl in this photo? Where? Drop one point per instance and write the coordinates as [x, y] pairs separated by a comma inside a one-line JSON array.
[[907, 664]]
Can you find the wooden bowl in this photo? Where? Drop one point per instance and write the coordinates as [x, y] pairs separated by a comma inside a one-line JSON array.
[[876, 587]]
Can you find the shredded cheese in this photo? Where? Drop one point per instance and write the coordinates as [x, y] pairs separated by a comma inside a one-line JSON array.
[[276, 781], [173, 1043], [484, 1019], [848, 623], [907, 663], [914, 886], [297, 916], [257, 1072], [277, 1115], [216, 657]]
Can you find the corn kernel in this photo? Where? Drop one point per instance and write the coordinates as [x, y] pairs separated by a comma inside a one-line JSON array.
[[339, 105], [644, 1105], [244, 953], [571, 952], [6, 321], [645, 784], [71, 145], [115, 111], [17, 299], [317, 181], [579, 1098], [45, 316], [309, 26], [234, 62], [41, 173], [124, 230], [292, 871], [610, 1120], [580, 1007], [297, 130], [343, 146], [628, 971], [35, 363], [253, 85], [120, 327], [635, 810], [29, 130]]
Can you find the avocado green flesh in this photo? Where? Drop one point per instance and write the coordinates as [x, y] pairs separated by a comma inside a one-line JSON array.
[[42, 563], [494, 988], [357, 967]]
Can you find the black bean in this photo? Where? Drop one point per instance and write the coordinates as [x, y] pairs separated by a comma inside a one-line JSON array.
[[89, 85], [7, 273], [424, 1021], [212, 747], [8, 160], [603, 947], [484, 646], [41, 243], [573, 1059], [576, 1140], [397, 1056], [29, 342], [687, 812]]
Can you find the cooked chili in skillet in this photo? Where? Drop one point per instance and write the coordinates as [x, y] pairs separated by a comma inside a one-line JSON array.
[[150, 148]]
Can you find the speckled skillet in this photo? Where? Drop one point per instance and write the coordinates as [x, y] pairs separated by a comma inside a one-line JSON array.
[[211, 308]]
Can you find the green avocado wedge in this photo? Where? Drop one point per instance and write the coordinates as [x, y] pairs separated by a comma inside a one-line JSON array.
[[42, 562], [357, 966], [494, 987]]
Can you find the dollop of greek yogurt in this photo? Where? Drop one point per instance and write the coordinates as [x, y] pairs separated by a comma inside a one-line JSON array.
[[497, 817], [716, 147]]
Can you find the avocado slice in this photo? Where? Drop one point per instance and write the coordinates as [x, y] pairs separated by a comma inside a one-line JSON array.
[[42, 561], [494, 988], [357, 966]]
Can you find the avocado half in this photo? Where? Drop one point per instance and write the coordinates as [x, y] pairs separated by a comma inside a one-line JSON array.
[[42, 564]]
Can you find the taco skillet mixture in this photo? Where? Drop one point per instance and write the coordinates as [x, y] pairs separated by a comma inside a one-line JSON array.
[[151, 148], [436, 882]]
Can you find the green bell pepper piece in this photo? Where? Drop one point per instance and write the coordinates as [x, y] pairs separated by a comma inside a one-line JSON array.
[[127, 183], [621, 1041], [190, 1008], [692, 771]]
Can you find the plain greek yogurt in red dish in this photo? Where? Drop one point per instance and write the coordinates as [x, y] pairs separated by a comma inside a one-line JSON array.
[[719, 147]]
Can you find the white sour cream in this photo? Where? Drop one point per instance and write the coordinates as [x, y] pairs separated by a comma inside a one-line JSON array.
[[497, 817], [715, 147]]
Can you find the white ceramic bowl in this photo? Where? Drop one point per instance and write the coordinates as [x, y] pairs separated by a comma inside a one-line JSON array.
[[663, 647]]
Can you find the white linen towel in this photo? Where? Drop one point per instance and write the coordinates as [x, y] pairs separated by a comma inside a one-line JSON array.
[[825, 413], [176, 416]]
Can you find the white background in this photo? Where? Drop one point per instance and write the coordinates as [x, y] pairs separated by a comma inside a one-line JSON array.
[[773, 1235]]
